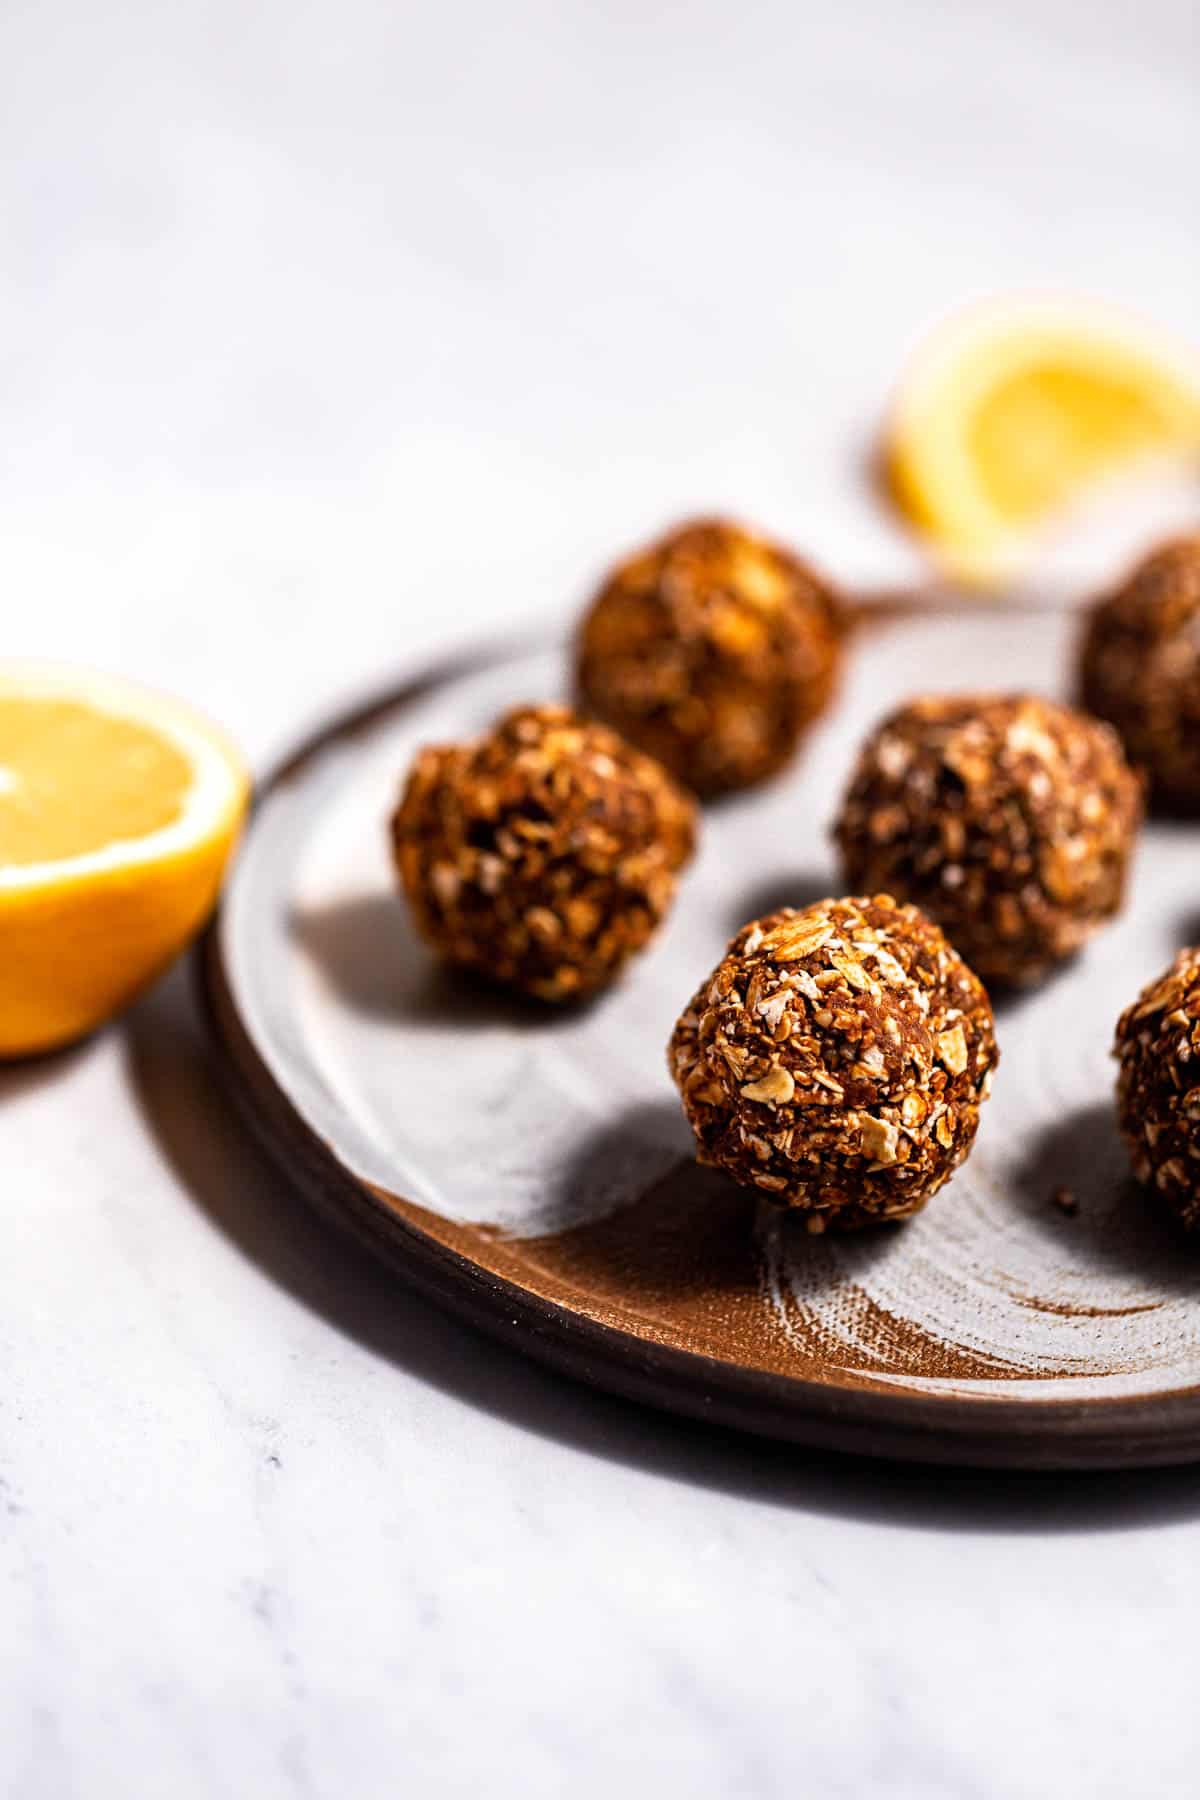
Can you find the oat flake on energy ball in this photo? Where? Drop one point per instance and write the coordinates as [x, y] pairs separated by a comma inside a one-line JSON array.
[[713, 649], [1139, 668], [1009, 819], [836, 1060], [1158, 1086], [544, 854]]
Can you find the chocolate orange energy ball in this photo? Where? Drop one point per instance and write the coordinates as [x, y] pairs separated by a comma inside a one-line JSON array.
[[1139, 668], [1008, 819], [544, 854], [836, 1060], [712, 650], [1158, 1086]]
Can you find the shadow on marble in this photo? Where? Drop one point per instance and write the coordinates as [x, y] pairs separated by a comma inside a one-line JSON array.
[[174, 1081], [30, 1072]]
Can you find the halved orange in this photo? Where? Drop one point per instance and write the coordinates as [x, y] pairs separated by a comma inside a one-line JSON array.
[[118, 811], [1013, 409]]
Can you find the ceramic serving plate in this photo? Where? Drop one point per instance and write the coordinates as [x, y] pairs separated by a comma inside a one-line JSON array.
[[532, 1169]]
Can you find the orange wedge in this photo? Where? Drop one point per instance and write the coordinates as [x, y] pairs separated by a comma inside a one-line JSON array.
[[118, 811], [1012, 411]]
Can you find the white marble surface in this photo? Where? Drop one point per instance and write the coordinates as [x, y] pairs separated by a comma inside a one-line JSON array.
[[329, 334]]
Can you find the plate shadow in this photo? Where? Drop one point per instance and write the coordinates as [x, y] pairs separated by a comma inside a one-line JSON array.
[[173, 1079]]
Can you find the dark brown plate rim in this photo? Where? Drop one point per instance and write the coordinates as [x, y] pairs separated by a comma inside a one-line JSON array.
[[1107, 1433]]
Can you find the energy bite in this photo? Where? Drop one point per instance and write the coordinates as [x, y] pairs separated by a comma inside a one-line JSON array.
[[712, 650], [1009, 819], [836, 1060], [1158, 1086], [1139, 668], [544, 854]]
